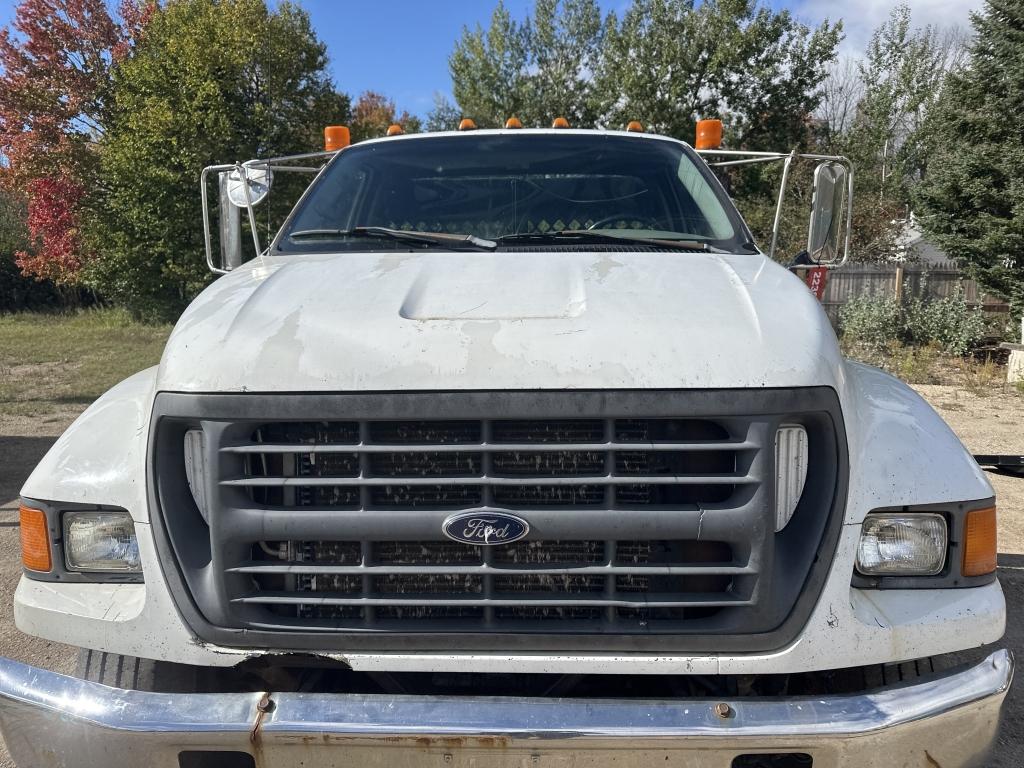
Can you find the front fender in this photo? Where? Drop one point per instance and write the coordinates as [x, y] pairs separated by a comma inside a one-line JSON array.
[[901, 451], [101, 457]]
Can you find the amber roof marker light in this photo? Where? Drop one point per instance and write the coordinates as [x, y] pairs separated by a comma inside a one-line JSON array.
[[560, 122], [395, 130], [635, 126], [513, 122], [336, 137], [467, 125], [709, 134]]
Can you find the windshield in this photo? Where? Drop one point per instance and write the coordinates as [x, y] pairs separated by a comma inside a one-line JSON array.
[[538, 187]]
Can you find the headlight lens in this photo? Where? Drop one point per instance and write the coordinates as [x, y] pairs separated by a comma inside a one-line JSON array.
[[893, 544], [101, 541], [790, 471]]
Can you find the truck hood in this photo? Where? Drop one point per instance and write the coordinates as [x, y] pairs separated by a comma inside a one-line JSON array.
[[445, 321]]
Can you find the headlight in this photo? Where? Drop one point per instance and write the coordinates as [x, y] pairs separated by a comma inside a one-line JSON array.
[[790, 471], [100, 541], [894, 544]]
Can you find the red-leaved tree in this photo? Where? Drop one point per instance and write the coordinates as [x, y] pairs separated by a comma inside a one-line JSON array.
[[372, 114], [57, 58]]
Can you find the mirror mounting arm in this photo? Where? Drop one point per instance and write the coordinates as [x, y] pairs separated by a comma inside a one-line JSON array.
[[778, 205]]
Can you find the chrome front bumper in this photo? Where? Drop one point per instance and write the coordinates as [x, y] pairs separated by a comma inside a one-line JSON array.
[[52, 720]]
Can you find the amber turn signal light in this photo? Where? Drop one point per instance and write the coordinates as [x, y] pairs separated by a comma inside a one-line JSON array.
[[35, 539], [980, 542], [336, 137], [709, 134]]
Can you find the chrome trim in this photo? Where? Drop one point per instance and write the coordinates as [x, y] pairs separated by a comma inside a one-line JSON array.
[[52, 719]]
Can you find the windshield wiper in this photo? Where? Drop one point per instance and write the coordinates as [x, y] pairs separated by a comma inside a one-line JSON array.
[[592, 235], [400, 235]]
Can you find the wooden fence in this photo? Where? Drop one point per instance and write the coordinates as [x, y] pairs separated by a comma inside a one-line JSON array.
[[930, 280]]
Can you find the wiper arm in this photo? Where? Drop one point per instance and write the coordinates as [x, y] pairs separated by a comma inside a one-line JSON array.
[[401, 235], [589, 234]]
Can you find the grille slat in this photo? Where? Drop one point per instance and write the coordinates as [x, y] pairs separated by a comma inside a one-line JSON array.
[[710, 445], [653, 570], [695, 600], [537, 480]]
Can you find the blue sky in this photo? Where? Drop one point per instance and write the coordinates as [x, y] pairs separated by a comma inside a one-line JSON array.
[[401, 47]]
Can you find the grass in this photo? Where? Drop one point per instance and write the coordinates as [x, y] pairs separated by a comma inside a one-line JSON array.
[[47, 361]]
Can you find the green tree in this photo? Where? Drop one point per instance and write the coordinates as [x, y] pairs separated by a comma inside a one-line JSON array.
[[564, 40], [537, 69], [211, 81], [489, 70], [971, 199], [902, 75], [669, 63], [443, 116]]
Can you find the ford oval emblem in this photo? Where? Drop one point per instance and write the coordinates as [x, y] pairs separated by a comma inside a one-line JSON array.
[[485, 529]]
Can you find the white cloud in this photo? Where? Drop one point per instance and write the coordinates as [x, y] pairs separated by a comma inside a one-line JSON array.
[[862, 17]]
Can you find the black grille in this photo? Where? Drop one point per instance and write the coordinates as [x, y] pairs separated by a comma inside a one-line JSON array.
[[640, 524], [501, 464]]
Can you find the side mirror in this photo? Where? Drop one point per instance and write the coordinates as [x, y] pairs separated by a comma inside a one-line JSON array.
[[253, 189], [828, 206]]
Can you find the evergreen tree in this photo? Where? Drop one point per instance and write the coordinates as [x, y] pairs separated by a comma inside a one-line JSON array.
[[971, 199]]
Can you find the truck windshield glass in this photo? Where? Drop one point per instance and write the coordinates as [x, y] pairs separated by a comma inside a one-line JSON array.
[[494, 186]]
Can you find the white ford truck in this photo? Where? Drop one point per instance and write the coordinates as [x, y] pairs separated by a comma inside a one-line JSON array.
[[510, 448]]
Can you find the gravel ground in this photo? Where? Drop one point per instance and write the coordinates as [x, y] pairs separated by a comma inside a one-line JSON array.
[[991, 424]]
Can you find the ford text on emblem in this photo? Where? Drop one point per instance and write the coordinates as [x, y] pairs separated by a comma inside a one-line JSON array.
[[485, 528]]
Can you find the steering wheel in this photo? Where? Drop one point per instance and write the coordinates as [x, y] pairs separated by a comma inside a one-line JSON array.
[[599, 224]]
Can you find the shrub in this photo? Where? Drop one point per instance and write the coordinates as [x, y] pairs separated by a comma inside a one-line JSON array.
[[947, 322], [872, 321], [878, 322]]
